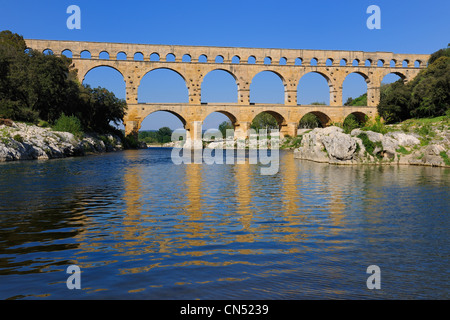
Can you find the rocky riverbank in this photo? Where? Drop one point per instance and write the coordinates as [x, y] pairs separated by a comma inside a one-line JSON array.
[[414, 147], [20, 141]]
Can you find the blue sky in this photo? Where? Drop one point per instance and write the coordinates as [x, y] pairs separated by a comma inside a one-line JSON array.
[[406, 27]]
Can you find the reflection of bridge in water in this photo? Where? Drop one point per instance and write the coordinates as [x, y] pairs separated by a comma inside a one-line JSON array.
[[193, 63]]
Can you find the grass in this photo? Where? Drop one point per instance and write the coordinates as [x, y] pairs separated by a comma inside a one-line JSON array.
[[292, 142], [5, 136], [403, 150]]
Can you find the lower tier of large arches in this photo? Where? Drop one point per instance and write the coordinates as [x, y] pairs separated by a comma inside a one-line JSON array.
[[241, 116]]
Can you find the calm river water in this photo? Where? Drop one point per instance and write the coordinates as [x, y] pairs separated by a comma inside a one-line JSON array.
[[140, 227]]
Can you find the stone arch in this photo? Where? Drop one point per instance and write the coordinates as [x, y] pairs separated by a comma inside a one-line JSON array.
[[170, 57], [47, 51], [67, 52], [251, 60], [399, 73], [229, 72], [324, 119], [236, 59], [219, 59], [364, 77], [145, 113], [361, 116], [106, 76], [281, 120], [104, 55], [324, 75], [83, 75], [147, 72], [228, 114], [154, 56], [121, 55], [86, 53], [138, 56], [279, 76], [186, 58], [166, 68], [203, 58], [283, 61]]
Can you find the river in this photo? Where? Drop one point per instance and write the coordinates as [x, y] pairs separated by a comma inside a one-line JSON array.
[[141, 227]]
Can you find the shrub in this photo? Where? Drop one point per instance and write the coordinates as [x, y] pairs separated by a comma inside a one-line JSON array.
[[376, 126], [131, 142], [18, 138], [350, 123], [369, 144], [69, 124], [444, 156]]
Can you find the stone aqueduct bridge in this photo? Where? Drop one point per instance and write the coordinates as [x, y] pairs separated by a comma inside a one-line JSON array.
[[289, 64]]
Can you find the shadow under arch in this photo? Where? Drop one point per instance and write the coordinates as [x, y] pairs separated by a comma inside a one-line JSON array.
[[323, 118], [280, 119], [360, 116]]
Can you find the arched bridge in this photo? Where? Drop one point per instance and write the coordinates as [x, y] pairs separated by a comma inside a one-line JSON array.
[[193, 63]]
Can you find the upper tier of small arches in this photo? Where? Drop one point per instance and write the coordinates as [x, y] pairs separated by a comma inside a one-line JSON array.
[[186, 54]]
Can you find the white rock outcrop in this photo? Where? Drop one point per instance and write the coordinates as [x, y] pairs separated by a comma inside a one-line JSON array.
[[27, 142]]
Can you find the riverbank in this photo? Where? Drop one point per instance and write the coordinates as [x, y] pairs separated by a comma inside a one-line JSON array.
[[416, 142], [20, 141]]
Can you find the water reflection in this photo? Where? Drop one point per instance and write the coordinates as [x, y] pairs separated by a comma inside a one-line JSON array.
[[141, 227]]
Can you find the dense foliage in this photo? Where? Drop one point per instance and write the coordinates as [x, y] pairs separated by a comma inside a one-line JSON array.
[[224, 126], [163, 135], [427, 95], [36, 86], [264, 120]]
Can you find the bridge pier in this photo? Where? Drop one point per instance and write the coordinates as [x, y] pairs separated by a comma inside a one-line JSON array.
[[194, 134], [241, 130]]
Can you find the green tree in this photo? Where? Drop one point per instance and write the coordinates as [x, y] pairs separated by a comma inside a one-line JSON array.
[[164, 135], [36, 86], [224, 126], [309, 121], [394, 102], [264, 120], [431, 89], [427, 95]]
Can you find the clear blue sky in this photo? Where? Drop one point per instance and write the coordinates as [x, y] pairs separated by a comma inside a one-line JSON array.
[[407, 26]]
